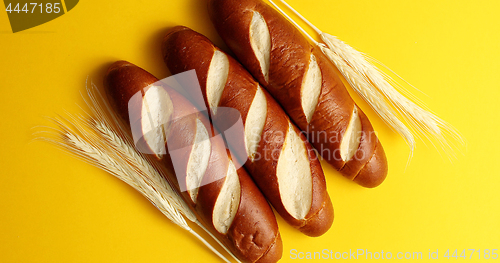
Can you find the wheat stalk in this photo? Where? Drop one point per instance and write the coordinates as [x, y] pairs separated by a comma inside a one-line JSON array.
[[378, 90], [375, 81], [102, 142], [373, 98], [102, 110]]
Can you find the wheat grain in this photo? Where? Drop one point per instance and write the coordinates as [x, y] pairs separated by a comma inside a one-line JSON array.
[[102, 142], [378, 90], [420, 120], [371, 96], [101, 109]]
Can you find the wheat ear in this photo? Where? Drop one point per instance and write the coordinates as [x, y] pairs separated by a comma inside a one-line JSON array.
[[101, 108], [102, 142], [378, 90]]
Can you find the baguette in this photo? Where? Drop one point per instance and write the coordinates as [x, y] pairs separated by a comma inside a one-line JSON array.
[[278, 157], [223, 196], [305, 83]]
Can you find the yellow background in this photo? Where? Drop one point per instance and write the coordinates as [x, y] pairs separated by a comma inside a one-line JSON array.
[[55, 208]]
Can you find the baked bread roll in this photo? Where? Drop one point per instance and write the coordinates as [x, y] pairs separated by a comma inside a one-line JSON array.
[[277, 155], [180, 140]]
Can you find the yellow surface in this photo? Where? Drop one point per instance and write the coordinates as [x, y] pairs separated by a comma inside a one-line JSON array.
[[55, 208]]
